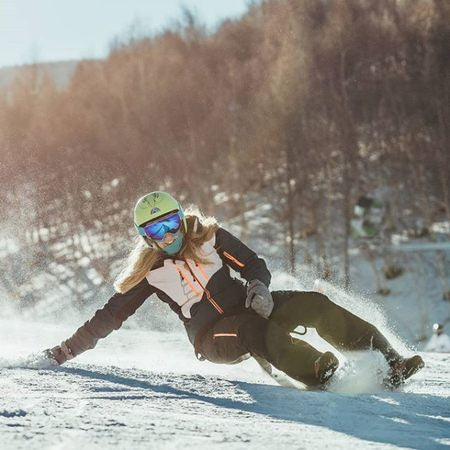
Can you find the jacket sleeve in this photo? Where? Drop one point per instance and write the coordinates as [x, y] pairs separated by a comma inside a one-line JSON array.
[[241, 258], [111, 317]]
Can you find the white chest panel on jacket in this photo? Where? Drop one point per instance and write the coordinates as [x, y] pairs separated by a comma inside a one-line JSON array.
[[183, 281]]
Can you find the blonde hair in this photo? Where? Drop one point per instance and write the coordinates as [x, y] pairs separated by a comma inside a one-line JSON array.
[[142, 258]]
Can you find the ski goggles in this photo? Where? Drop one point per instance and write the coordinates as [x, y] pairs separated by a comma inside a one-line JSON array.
[[159, 228]]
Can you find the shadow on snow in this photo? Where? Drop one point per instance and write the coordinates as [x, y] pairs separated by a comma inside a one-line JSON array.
[[404, 419]]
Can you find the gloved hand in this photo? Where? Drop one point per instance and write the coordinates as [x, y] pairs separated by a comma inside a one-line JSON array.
[[59, 354], [259, 298]]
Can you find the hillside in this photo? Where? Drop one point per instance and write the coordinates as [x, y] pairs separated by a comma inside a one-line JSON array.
[[60, 72]]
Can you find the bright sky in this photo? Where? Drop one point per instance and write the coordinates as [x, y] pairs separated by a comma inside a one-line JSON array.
[[54, 30]]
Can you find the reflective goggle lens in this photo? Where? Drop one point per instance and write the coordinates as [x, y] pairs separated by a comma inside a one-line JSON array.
[[158, 229]]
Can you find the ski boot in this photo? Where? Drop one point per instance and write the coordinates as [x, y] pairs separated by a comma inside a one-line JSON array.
[[325, 366], [403, 368]]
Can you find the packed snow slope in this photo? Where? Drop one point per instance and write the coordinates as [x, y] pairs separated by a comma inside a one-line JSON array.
[[145, 389]]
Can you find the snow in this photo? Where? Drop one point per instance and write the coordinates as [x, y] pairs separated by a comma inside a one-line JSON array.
[[422, 246], [438, 343], [145, 389]]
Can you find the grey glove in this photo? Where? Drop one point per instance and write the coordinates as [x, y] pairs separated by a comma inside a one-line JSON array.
[[259, 298]]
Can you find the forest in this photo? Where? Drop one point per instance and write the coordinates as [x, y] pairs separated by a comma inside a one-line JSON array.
[[304, 105]]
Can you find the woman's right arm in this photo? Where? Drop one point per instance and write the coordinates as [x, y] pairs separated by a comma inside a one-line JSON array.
[[111, 317]]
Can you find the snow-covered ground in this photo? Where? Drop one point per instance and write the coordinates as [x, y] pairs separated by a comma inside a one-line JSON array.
[[145, 389]]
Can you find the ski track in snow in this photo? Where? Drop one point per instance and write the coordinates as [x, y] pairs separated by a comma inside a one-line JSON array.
[[142, 389]]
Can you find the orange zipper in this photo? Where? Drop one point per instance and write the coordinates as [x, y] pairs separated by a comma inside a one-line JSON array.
[[212, 301], [232, 258], [208, 295], [224, 335]]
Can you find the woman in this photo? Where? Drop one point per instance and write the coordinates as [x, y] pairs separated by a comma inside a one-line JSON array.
[[185, 260]]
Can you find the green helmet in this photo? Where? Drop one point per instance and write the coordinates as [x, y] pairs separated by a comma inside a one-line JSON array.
[[156, 204]]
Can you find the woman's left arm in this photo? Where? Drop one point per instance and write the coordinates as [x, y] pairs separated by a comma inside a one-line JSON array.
[[241, 258]]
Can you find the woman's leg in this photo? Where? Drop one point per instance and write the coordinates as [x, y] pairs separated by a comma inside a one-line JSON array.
[[232, 337], [339, 327]]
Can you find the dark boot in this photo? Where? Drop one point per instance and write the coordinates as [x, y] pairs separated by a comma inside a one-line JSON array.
[[325, 366], [403, 368]]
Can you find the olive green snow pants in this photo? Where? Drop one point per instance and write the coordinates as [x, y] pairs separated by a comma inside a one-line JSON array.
[[246, 332]]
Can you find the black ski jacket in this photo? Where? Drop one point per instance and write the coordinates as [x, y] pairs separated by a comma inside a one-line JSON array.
[[199, 293]]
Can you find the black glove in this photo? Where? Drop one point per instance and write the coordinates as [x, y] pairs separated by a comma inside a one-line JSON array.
[[59, 354]]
